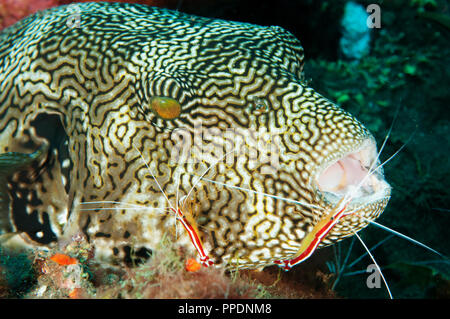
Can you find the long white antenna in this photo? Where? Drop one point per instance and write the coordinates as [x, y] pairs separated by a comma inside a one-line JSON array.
[[151, 172], [403, 236], [204, 173], [264, 194], [373, 259]]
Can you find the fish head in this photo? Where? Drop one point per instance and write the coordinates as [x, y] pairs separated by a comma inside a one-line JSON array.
[[324, 157]]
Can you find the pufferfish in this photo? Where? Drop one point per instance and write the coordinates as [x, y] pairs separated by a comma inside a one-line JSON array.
[[129, 123]]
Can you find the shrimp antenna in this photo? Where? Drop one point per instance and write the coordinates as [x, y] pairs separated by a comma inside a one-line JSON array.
[[263, 194], [204, 173], [154, 178], [376, 265], [404, 237]]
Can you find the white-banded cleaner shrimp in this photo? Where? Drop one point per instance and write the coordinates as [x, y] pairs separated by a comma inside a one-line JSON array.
[[180, 215], [184, 217]]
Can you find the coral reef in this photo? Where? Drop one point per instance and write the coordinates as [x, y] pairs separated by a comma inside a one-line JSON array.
[[71, 271], [12, 11], [17, 274], [355, 40]]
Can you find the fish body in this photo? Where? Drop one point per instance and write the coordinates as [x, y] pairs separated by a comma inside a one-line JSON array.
[[143, 117]]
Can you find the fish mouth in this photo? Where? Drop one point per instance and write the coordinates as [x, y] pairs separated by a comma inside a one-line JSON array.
[[357, 173]]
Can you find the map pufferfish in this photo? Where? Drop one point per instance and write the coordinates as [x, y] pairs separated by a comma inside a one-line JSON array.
[[99, 103]]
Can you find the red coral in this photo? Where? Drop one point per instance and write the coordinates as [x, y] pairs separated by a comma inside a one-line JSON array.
[[63, 259], [12, 11], [192, 265]]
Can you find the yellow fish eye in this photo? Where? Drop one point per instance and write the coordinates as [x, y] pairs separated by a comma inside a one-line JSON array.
[[165, 107]]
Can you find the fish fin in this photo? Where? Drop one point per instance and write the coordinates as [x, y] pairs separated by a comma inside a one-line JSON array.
[[9, 163], [13, 161], [16, 241], [34, 178]]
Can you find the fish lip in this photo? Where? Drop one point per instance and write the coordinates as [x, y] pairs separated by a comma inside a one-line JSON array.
[[367, 155]]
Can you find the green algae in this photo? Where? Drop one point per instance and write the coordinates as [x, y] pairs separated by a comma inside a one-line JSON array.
[[408, 69], [17, 270]]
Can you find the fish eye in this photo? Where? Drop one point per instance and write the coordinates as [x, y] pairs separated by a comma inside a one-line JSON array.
[[165, 107]]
